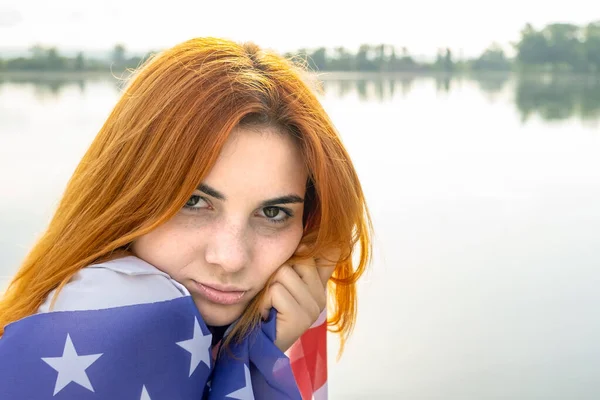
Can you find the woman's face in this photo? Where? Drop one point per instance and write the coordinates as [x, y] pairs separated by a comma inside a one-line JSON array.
[[239, 226]]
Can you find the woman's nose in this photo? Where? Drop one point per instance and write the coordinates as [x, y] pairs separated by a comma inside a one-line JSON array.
[[228, 248]]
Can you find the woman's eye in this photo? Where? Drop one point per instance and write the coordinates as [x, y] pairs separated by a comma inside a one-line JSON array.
[[195, 202], [276, 214]]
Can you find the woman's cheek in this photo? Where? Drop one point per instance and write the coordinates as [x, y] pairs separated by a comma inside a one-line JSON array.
[[274, 251], [167, 247]]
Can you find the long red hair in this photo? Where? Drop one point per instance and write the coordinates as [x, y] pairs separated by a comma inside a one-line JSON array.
[[160, 141]]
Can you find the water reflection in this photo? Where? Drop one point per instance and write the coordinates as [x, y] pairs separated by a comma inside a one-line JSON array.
[[375, 88], [491, 83], [551, 98], [45, 88], [442, 83], [558, 97], [52, 86]]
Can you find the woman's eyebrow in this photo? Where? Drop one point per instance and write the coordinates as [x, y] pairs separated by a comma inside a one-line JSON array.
[[211, 191], [287, 199]]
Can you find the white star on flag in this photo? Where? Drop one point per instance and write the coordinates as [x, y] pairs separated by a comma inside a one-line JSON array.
[[71, 367], [244, 393], [145, 395], [198, 346]]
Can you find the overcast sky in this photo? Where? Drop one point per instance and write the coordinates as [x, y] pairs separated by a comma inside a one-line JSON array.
[[422, 26]]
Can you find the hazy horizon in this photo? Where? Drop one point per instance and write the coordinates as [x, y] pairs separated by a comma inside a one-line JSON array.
[[465, 26]]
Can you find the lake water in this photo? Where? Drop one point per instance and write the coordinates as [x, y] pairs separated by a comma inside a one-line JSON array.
[[485, 194]]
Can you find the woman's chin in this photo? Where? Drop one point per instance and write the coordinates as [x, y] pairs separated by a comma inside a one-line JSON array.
[[218, 315]]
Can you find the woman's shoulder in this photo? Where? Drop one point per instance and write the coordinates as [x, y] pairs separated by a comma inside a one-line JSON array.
[[115, 283]]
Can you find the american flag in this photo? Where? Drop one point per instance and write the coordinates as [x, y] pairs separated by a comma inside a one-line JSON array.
[[153, 351]]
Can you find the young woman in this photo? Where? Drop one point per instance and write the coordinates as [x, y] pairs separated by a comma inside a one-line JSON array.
[[195, 242]]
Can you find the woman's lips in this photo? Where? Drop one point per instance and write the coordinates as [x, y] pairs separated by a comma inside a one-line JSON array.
[[224, 296]]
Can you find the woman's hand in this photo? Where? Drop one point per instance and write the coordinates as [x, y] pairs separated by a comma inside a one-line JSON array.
[[298, 293]]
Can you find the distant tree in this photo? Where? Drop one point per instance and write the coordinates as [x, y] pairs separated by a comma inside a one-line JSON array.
[[564, 46], [532, 48], [407, 63], [439, 60], [118, 55], [318, 59], [342, 60], [493, 58], [393, 61], [363, 63], [380, 62], [38, 60], [135, 62], [38, 51], [592, 46], [54, 61], [448, 62], [444, 60], [79, 62]]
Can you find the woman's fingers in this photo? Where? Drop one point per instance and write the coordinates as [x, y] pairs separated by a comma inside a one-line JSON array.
[[302, 295], [298, 293], [292, 319], [310, 276], [301, 291]]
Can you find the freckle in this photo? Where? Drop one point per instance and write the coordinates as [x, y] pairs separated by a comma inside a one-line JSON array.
[[187, 222], [196, 223]]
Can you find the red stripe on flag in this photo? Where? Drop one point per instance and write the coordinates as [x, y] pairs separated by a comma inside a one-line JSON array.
[[308, 358]]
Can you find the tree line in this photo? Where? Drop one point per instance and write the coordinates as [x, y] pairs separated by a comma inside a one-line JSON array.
[[49, 59], [555, 47]]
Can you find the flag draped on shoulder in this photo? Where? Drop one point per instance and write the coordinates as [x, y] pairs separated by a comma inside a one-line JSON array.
[[125, 330], [146, 351]]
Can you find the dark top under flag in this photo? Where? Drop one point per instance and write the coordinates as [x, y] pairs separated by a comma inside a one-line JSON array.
[[152, 351]]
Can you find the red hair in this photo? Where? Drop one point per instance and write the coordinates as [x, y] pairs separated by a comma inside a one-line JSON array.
[[160, 141]]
